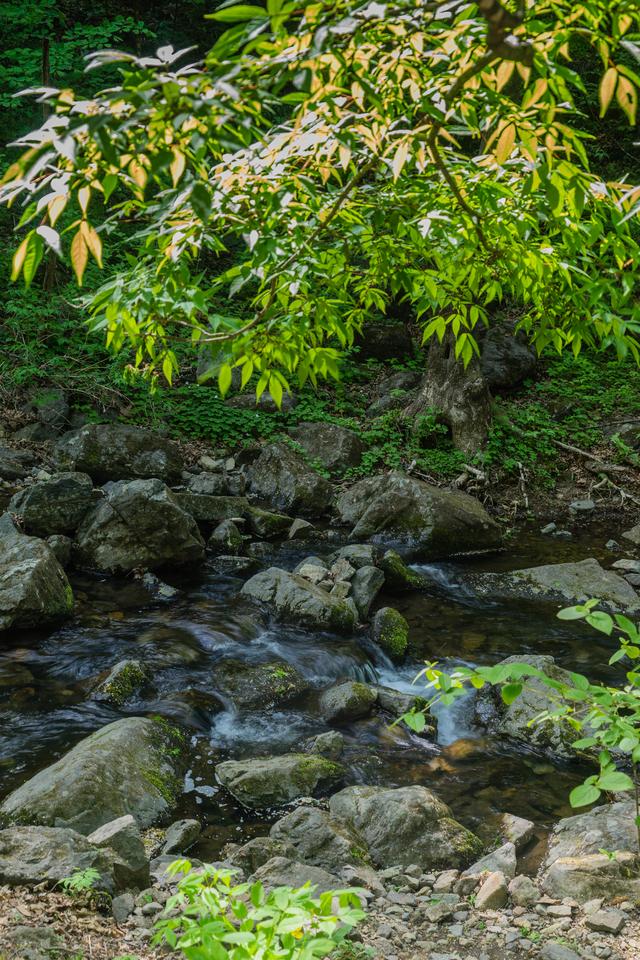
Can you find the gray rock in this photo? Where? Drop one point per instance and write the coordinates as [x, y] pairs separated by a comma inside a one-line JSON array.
[[319, 839], [561, 582], [607, 921], [582, 506], [329, 745], [593, 875], [209, 509], [268, 525], [222, 484], [557, 951], [523, 891], [51, 407], [281, 872], [60, 547], [121, 682], [404, 826], [507, 358], [226, 539], [122, 907], [357, 554], [181, 835], [139, 524], [390, 631], [111, 451], [130, 766], [335, 447], [295, 600], [15, 464], [266, 781], [33, 943], [628, 565], [53, 506], [259, 686], [516, 721], [282, 477], [347, 701], [123, 837], [502, 860], [300, 529], [424, 519], [258, 851], [365, 585], [633, 535], [493, 893], [517, 830], [33, 587], [608, 827], [34, 855]]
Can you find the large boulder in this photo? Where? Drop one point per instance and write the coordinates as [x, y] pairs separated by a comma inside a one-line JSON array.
[[34, 855], [265, 781], [212, 509], [131, 766], [335, 447], [506, 359], [283, 478], [561, 583], [419, 517], [53, 506], [405, 825], [296, 600], [516, 721], [15, 464], [318, 839], [138, 524], [34, 589], [575, 865], [113, 451], [259, 686]]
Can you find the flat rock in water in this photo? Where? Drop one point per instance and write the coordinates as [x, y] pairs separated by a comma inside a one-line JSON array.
[[266, 781], [423, 519], [131, 766], [262, 685], [561, 582], [296, 600]]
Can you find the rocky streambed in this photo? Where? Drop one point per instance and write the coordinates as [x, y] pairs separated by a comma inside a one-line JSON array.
[[225, 644]]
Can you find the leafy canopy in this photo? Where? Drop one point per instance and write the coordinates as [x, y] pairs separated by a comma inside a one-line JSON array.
[[324, 161]]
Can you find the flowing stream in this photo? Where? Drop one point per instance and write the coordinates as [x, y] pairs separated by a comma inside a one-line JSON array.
[[46, 681]]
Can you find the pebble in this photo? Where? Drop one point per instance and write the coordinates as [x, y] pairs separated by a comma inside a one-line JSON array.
[[582, 506]]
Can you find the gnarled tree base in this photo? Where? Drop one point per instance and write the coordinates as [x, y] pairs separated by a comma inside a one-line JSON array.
[[461, 396]]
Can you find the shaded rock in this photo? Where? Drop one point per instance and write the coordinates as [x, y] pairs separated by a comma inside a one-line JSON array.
[[357, 555], [209, 509], [267, 525], [296, 600], [561, 582], [138, 524], [261, 685], [53, 506], [121, 682], [33, 587], [502, 860], [51, 407], [231, 566], [516, 720], [60, 547], [397, 575], [390, 631], [281, 872], [633, 535], [130, 766], [329, 745], [404, 826], [335, 447], [517, 830], [112, 451], [226, 539], [383, 338], [318, 839], [258, 851], [422, 518], [493, 893], [506, 358], [557, 951], [122, 907], [593, 875], [283, 478], [365, 585], [122, 836], [222, 484], [347, 701], [300, 529], [181, 835], [395, 703], [33, 855], [265, 781], [15, 464], [34, 943]]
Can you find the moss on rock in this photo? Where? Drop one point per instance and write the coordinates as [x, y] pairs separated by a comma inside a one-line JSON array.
[[390, 631]]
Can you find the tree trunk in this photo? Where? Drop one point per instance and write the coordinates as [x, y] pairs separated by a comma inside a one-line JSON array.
[[460, 396]]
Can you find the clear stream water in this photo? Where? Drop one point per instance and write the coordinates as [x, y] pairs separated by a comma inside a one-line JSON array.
[[46, 679]]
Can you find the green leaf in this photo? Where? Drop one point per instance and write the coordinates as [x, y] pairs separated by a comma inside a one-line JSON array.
[[239, 13], [615, 781], [415, 721], [224, 379], [601, 621], [275, 389], [201, 202], [573, 613], [510, 692], [583, 795]]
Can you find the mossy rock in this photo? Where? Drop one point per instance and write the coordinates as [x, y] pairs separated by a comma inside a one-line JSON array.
[[266, 781], [390, 631], [259, 685]]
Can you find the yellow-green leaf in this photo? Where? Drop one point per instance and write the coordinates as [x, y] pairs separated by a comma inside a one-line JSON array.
[[92, 240], [224, 379], [18, 257], [607, 89], [79, 256], [400, 159]]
